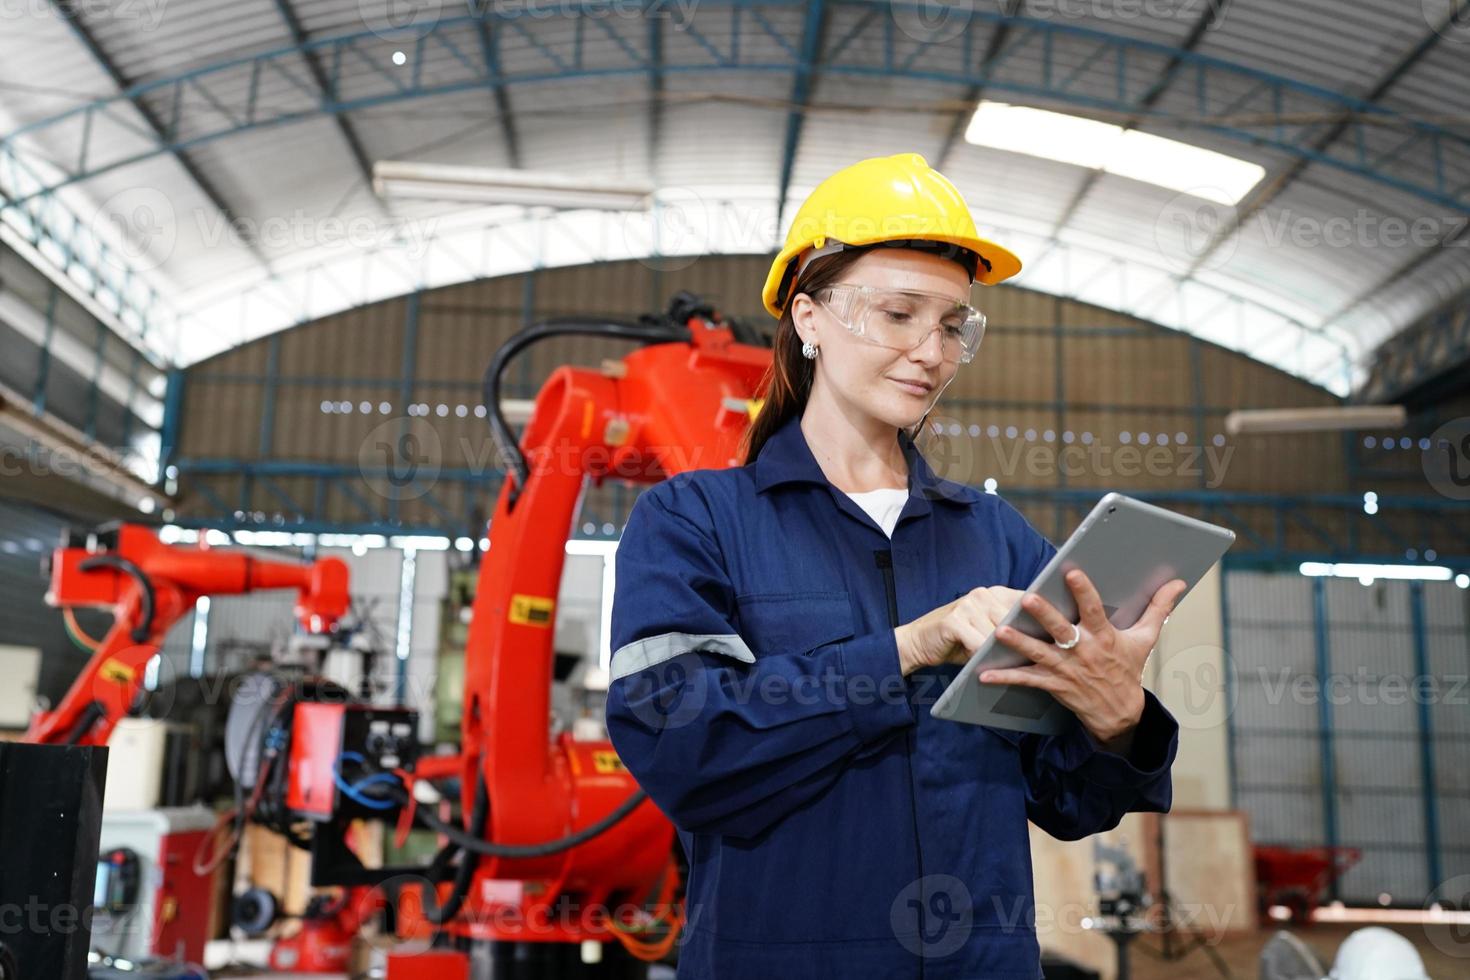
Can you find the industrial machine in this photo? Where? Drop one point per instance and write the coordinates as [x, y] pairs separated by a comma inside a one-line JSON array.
[[562, 856], [149, 900], [557, 865], [149, 586]]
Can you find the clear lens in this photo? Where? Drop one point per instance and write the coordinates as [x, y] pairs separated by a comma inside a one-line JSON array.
[[903, 319]]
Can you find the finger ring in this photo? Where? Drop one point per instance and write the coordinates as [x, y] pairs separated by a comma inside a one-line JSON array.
[[1076, 636]]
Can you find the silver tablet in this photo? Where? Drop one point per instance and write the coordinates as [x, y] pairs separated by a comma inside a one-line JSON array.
[[1129, 549]]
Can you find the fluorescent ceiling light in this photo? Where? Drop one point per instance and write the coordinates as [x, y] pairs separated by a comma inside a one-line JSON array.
[[1366, 573], [1315, 419], [1113, 149], [486, 185]]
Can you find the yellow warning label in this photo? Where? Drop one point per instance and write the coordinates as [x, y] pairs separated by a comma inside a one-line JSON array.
[[116, 671], [606, 761], [531, 610]]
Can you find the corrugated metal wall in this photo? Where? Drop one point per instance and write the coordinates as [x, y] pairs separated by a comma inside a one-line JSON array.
[[58, 353], [1118, 386], [1351, 723]]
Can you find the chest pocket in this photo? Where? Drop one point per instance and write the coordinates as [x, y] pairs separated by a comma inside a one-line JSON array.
[[774, 623]]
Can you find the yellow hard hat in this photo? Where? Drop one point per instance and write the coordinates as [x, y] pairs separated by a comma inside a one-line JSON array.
[[898, 198]]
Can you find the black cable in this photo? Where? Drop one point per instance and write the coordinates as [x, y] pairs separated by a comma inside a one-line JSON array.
[[145, 589], [464, 875], [476, 844], [90, 715], [650, 329]]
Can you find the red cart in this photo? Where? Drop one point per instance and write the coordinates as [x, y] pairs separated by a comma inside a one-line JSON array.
[[1298, 877]]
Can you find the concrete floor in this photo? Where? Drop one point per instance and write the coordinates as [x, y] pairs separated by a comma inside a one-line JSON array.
[[1447, 961], [1241, 953]]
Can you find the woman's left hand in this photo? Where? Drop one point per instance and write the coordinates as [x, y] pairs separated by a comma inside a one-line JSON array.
[[1100, 679]]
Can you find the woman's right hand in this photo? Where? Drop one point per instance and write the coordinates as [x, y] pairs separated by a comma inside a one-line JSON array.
[[951, 633]]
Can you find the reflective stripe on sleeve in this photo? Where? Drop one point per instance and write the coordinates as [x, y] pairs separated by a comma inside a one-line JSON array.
[[649, 651]]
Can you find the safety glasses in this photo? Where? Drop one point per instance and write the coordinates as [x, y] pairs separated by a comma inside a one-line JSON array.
[[902, 319]]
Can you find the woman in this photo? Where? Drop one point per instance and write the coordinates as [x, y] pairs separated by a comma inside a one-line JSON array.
[[781, 629]]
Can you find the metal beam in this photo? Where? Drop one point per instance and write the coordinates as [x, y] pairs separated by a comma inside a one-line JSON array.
[[801, 90], [655, 94], [71, 15], [1214, 10], [329, 90], [1265, 193], [1423, 353], [235, 75], [1450, 240], [495, 78], [998, 38]]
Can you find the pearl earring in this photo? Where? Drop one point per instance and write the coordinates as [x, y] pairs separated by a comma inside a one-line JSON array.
[[809, 350]]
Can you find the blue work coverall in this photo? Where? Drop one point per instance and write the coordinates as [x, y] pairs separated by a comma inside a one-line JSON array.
[[834, 828]]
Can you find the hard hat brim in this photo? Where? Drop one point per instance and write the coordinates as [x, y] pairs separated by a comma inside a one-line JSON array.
[[1002, 263]]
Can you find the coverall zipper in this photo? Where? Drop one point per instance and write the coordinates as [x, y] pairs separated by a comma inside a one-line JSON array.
[[884, 560]]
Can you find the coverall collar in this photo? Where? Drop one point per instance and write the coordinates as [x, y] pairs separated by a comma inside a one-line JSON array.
[[786, 458]]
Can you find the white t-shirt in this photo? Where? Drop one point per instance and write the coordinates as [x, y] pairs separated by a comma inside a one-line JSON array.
[[883, 505]]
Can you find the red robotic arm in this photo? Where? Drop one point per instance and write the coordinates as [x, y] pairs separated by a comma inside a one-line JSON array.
[[149, 586], [680, 403]]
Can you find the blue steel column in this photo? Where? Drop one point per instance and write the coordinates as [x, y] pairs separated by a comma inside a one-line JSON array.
[[1228, 683], [265, 444], [412, 305], [127, 429], [403, 645], [173, 412], [1061, 518], [1426, 737], [38, 398], [1197, 382], [91, 426], [1324, 718], [268, 396]]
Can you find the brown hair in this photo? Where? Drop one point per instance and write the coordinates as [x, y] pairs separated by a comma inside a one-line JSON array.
[[788, 381]]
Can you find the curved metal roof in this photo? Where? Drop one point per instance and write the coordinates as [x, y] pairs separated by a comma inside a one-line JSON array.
[[201, 171]]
